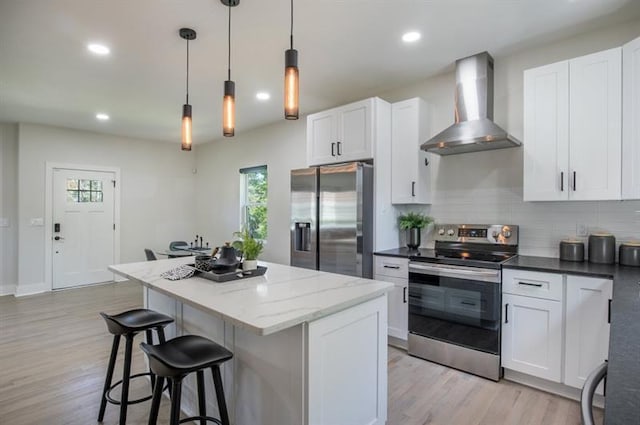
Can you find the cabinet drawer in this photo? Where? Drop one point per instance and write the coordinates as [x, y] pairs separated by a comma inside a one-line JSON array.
[[532, 284], [392, 267]]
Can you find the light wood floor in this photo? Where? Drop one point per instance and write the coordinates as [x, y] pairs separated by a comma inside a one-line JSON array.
[[54, 350]]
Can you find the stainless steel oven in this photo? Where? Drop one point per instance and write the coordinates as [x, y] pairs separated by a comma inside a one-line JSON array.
[[455, 299]]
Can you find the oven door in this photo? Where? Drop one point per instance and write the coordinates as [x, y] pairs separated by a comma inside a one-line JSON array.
[[457, 305]]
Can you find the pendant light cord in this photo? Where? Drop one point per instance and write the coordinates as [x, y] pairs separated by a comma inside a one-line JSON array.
[[187, 71], [291, 36], [229, 46]]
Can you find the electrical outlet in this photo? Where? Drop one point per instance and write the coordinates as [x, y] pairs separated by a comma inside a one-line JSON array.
[[582, 230]]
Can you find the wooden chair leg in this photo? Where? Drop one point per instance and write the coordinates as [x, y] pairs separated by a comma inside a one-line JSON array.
[[202, 404], [222, 405], [176, 392], [109, 377], [155, 403], [126, 374]]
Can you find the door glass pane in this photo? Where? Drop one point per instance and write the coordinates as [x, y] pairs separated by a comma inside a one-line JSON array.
[[96, 196], [85, 184], [96, 185], [72, 196], [84, 196], [72, 184]]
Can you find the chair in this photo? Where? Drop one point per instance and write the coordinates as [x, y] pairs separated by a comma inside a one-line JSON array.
[[173, 245], [150, 255], [174, 360]]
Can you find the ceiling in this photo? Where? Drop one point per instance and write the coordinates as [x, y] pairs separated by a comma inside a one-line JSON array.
[[348, 50]]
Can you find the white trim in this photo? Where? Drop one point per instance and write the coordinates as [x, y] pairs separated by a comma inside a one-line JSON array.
[[48, 211], [31, 289]]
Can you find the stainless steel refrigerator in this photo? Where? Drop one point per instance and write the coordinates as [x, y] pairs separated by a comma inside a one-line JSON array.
[[332, 218]]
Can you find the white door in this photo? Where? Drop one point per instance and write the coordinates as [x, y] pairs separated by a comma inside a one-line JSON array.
[[83, 233], [546, 132], [355, 123], [595, 126], [532, 336], [587, 327], [631, 120]]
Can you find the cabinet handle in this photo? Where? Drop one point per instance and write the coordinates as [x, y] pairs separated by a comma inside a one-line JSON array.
[[413, 188], [609, 313], [391, 267], [561, 181], [506, 313], [574, 181], [333, 147], [537, 285], [339, 151], [426, 162], [467, 303], [404, 295]]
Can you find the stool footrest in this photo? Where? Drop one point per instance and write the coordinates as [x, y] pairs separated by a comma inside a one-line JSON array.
[[140, 400], [195, 418]]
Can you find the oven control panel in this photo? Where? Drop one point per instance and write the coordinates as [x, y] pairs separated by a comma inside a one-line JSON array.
[[501, 234]]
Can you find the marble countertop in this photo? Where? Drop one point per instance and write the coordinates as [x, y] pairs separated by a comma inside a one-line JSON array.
[[623, 370], [284, 297]]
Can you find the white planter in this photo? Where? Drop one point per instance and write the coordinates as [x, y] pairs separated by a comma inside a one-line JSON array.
[[249, 265]]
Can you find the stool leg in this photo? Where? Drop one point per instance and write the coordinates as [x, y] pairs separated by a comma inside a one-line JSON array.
[[176, 392], [162, 340], [202, 404], [222, 405], [107, 381], [126, 374], [155, 402], [152, 376]]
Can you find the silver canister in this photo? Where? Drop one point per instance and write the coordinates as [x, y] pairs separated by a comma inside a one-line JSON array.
[[571, 250], [602, 248], [629, 254]]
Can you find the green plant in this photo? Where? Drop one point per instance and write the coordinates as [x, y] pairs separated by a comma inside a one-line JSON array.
[[250, 247], [412, 220]]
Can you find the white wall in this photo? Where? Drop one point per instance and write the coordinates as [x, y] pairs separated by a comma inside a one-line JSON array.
[[8, 208], [282, 147], [157, 191], [487, 186]]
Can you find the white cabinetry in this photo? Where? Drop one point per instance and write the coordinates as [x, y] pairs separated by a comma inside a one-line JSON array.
[[396, 271], [532, 324], [573, 129], [410, 168], [586, 327], [342, 134], [631, 120]]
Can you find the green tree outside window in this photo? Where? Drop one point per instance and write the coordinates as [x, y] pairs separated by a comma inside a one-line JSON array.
[[254, 208]]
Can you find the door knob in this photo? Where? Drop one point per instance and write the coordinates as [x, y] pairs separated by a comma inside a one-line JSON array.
[[57, 238]]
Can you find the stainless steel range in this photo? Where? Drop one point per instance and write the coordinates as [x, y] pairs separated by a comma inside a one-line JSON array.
[[455, 297]]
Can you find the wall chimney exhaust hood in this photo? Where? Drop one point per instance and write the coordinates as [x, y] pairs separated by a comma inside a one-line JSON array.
[[474, 129]]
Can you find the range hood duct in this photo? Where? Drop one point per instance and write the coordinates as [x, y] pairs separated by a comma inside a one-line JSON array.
[[474, 129]]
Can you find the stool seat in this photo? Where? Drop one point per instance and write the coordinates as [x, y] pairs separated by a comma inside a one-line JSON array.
[[185, 354], [134, 321]]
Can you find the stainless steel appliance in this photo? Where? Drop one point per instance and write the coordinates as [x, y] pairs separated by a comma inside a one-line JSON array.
[[455, 297], [332, 218], [474, 129]]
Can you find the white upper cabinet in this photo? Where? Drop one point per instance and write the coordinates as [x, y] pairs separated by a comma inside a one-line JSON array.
[[573, 129], [410, 167], [342, 134], [631, 120]]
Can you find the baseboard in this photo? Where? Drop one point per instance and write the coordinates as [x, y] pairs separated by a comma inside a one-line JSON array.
[[9, 289], [23, 290], [550, 387], [397, 342]]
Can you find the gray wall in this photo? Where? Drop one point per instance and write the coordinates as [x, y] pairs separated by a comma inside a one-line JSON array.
[[8, 207]]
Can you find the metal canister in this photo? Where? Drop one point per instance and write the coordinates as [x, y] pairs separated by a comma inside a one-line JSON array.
[[571, 250], [629, 254], [602, 248]]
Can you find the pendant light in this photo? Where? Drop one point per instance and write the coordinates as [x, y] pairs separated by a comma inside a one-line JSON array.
[[291, 80], [229, 99], [187, 34]]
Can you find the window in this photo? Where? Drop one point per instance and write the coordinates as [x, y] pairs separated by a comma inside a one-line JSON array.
[[253, 200], [84, 190]]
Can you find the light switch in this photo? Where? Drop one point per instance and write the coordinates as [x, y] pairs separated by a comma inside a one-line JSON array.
[[37, 221], [4, 222]]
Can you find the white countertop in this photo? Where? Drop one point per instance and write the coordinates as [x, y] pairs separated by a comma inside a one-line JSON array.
[[284, 297]]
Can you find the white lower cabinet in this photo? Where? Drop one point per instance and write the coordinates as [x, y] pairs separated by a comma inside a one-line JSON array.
[[586, 327], [395, 270], [532, 336]]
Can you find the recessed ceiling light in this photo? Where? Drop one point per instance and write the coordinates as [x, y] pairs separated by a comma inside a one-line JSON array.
[[411, 36], [102, 117], [263, 95], [98, 49]]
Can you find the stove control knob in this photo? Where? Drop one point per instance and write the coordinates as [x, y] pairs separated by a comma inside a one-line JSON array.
[[450, 232], [441, 232], [506, 233]]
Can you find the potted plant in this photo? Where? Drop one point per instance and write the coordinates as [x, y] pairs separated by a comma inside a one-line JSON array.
[[250, 248], [413, 223]]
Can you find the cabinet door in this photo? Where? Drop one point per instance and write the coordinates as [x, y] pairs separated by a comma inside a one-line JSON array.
[[532, 336], [595, 126], [546, 132], [398, 308], [410, 170], [587, 327], [355, 126], [631, 120], [321, 138]]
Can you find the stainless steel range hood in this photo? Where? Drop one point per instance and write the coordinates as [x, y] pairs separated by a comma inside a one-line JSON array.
[[474, 129]]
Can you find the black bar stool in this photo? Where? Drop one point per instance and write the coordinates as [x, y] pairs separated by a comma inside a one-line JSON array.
[[129, 324], [179, 357]]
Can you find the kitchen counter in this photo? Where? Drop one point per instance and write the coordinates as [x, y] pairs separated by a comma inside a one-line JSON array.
[[405, 252], [309, 347], [623, 373]]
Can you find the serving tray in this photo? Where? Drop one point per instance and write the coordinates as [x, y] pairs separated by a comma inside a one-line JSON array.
[[229, 276]]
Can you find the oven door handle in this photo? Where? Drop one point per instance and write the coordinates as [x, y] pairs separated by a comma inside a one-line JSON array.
[[419, 267]]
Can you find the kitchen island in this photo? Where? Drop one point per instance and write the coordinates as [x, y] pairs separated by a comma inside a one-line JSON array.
[[309, 347]]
